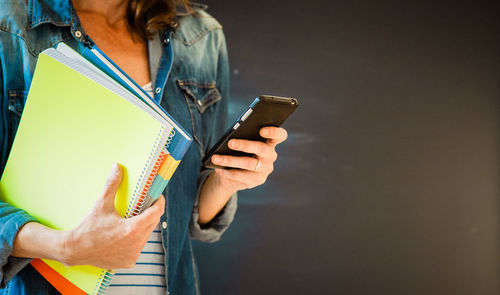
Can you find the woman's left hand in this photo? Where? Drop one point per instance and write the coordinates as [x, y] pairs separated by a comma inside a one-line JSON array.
[[253, 171]]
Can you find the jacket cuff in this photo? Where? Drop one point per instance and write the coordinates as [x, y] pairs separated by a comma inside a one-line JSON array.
[[13, 219], [212, 231]]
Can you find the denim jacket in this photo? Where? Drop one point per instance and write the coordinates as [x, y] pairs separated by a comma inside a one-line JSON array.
[[189, 70]]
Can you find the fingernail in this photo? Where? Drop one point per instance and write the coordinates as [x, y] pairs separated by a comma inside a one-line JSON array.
[[265, 132], [215, 159]]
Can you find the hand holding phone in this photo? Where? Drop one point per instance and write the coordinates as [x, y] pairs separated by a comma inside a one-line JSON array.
[[265, 111]]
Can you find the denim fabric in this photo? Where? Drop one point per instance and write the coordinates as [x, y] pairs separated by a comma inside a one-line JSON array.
[[189, 69]]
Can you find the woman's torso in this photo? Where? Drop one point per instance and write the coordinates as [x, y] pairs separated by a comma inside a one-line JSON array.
[[189, 80]]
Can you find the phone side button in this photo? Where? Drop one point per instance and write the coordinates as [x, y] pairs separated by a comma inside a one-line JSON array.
[[236, 126], [246, 114]]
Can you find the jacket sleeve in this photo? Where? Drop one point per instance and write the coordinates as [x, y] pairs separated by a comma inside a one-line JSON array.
[[212, 231], [11, 218]]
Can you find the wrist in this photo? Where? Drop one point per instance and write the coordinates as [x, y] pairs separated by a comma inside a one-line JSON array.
[[65, 246], [213, 197], [35, 240], [222, 188]]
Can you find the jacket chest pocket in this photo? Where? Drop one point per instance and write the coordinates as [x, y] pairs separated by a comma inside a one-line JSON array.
[[201, 99], [17, 99]]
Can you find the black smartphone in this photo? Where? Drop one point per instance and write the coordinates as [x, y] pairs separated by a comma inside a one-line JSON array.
[[265, 110]]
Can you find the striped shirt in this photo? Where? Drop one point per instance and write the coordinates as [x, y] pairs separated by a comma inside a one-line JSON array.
[[148, 274]]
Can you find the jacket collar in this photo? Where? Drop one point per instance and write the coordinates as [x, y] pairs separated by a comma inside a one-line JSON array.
[[57, 12]]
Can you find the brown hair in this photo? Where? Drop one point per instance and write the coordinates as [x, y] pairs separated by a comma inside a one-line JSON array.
[[144, 17]]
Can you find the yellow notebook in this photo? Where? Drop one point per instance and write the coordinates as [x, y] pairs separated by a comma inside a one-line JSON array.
[[71, 132]]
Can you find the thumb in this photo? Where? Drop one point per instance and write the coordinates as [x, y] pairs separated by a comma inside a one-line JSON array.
[[152, 214], [107, 200]]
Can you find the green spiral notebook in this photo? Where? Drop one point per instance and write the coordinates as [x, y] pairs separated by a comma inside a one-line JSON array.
[[74, 126]]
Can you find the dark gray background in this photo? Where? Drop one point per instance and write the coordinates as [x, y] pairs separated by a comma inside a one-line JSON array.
[[389, 182]]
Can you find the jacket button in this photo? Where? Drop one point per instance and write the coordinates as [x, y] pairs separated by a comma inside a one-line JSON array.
[[164, 225], [166, 41], [158, 90], [78, 34]]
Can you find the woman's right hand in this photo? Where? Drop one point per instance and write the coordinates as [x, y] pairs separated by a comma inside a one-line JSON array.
[[105, 239]]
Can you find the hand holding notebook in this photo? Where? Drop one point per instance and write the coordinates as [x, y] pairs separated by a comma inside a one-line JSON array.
[[103, 238], [107, 240]]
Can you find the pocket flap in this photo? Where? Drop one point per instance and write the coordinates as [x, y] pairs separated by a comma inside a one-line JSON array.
[[202, 95]]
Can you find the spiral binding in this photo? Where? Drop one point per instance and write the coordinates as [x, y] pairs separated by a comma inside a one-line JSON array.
[[132, 205], [170, 137], [104, 281], [154, 172]]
